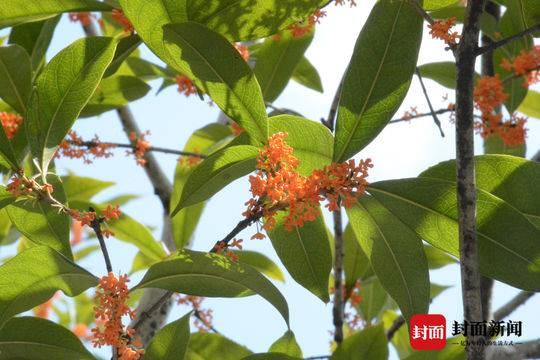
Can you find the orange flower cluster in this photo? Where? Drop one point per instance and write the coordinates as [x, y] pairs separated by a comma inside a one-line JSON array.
[[243, 50], [526, 64], [488, 96], [302, 28], [82, 218], [141, 146], [73, 147], [85, 18], [119, 16], [81, 331], [224, 248], [236, 129], [44, 309], [440, 29], [111, 295], [410, 114], [185, 85], [277, 186], [10, 123], [204, 317], [20, 185]]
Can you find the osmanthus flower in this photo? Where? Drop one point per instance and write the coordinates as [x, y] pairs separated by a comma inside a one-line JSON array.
[[74, 147], [119, 16], [302, 28], [185, 85], [441, 29], [44, 309], [141, 146], [11, 123], [111, 296], [203, 317], [85, 18], [236, 128], [20, 185], [243, 50], [277, 186], [489, 93], [526, 64]]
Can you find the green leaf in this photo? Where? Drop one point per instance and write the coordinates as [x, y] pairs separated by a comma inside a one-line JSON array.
[[215, 172], [287, 345], [430, 5], [306, 74], [35, 38], [42, 223], [373, 90], [216, 67], [141, 262], [84, 252], [495, 145], [12, 12], [261, 263], [395, 252], [276, 60], [83, 188], [29, 338], [355, 264], [15, 77], [429, 207], [503, 176], [61, 92], [145, 70], [171, 342], [400, 340], [115, 92], [531, 104], [241, 20], [211, 275], [437, 258], [206, 346], [457, 11], [306, 253], [270, 356], [126, 46], [369, 343], [202, 141], [442, 72], [375, 300], [33, 276]]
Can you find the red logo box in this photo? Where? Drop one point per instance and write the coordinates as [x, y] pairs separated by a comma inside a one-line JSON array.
[[427, 332]]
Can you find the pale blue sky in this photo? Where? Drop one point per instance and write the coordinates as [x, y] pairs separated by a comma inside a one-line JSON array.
[[401, 150]]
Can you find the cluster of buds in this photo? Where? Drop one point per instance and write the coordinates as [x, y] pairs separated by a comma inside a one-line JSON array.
[[224, 248], [441, 29], [141, 146], [203, 317], [82, 218], [302, 28], [526, 64], [111, 296], [185, 85], [74, 147], [277, 186], [11, 123]]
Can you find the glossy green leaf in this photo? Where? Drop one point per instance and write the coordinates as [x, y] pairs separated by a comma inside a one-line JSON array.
[[287, 345], [206, 346], [29, 338], [215, 172], [276, 60], [171, 342], [495, 145], [83, 188], [35, 38], [531, 104], [429, 207], [141, 262], [261, 263], [85, 252], [15, 77], [378, 76], [115, 92], [61, 92], [395, 253], [202, 141], [355, 263], [457, 11], [503, 176], [306, 74], [33, 276], [217, 68], [6, 197], [242, 20], [306, 253], [211, 275], [126, 46], [13, 12], [442, 72], [437, 258], [375, 300], [369, 343], [42, 223]]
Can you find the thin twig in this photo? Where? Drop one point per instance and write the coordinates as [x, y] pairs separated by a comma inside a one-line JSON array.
[[96, 226], [396, 325], [432, 111], [421, 115], [505, 41], [420, 10], [93, 144], [508, 308], [330, 121], [197, 314]]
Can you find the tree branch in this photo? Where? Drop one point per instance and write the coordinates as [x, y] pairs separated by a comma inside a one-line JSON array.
[[396, 325], [497, 44], [93, 144], [339, 304], [521, 298], [466, 187], [96, 226], [431, 110]]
